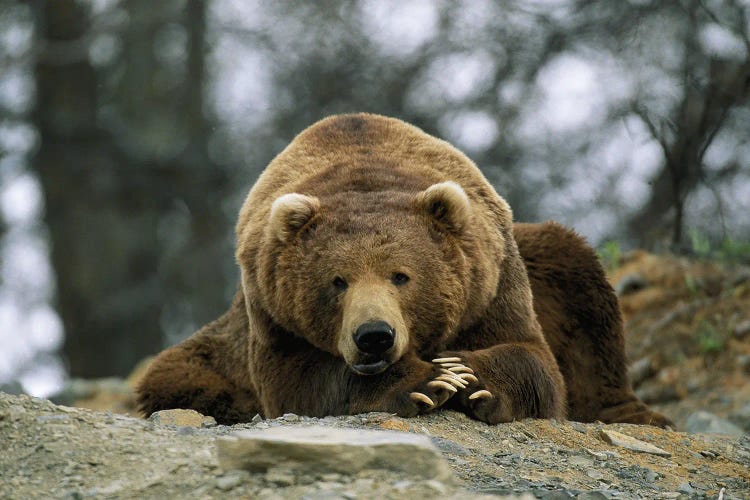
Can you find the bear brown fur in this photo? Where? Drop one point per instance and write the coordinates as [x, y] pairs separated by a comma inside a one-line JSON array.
[[367, 249]]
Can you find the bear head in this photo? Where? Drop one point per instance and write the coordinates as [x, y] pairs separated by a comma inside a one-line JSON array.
[[370, 258]]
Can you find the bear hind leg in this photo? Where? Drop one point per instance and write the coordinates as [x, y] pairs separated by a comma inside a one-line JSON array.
[[183, 377]]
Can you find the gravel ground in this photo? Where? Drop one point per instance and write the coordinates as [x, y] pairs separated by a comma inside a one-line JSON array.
[[61, 452]]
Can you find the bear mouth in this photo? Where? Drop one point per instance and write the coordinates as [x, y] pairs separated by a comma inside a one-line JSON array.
[[371, 368]]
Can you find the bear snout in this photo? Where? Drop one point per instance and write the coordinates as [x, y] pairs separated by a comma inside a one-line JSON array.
[[374, 337]]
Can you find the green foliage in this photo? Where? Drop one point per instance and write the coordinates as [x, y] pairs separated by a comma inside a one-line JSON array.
[[734, 251], [610, 253], [700, 244], [692, 284], [710, 340], [728, 250]]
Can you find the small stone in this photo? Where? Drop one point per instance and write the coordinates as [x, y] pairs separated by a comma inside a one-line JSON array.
[[705, 422], [182, 418], [581, 461], [290, 417], [742, 330], [395, 424], [228, 482], [594, 474], [257, 418], [631, 443], [651, 476], [599, 455], [578, 427], [323, 449], [437, 486], [686, 488], [592, 495], [448, 446]]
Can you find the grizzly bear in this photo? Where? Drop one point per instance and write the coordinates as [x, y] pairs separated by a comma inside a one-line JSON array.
[[380, 271]]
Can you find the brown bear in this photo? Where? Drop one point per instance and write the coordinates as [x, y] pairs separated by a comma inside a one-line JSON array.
[[380, 271]]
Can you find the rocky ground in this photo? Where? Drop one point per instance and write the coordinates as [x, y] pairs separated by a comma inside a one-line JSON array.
[[688, 335], [60, 452], [688, 339]]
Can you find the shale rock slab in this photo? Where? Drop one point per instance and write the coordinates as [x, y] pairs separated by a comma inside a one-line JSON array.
[[329, 450]]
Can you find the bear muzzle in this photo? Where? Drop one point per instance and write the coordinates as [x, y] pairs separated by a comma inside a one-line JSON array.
[[373, 340], [373, 334]]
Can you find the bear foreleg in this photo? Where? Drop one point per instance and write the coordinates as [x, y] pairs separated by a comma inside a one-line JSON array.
[[507, 382]]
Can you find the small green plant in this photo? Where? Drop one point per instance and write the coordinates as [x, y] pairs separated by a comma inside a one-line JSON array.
[[700, 244], [610, 253], [709, 339], [692, 284], [734, 251], [727, 251]]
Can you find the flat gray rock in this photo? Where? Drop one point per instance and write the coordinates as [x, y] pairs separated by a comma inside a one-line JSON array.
[[324, 449], [631, 443]]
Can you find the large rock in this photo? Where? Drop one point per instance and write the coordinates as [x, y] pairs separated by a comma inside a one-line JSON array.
[[324, 449]]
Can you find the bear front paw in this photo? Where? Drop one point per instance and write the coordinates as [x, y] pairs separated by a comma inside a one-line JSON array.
[[434, 389], [475, 398]]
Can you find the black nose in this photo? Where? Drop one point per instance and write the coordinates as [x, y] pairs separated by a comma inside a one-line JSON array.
[[374, 337]]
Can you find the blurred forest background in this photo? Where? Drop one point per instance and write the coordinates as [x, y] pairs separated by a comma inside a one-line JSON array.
[[130, 130]]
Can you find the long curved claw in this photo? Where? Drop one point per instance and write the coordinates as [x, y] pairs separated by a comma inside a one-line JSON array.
[[460, 369], [418, 397], [468, 377], [481, 394], [446, 360], [460, 384], [451, 365], [441, 385]]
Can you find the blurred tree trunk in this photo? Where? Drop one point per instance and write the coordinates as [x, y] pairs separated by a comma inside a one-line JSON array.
[[118, 154], [705, 105]]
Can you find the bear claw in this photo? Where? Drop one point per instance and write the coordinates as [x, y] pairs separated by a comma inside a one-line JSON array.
[[446, 360], [468, 377], [460, 369], [418, 397], [481, 394], [460, 384], [442, 385]]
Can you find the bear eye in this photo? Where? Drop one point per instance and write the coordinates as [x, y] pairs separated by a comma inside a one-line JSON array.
[[399, 279], [340, 283]]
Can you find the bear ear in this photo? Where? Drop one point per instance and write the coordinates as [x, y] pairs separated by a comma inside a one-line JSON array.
[[448, 204], [289, 213]]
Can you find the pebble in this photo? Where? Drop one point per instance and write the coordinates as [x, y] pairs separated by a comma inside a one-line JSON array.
[[290, 417], [580, 461], [228, 482], [741, 330], [686, 488], [594, 474], [182, 418], [592, 495]]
